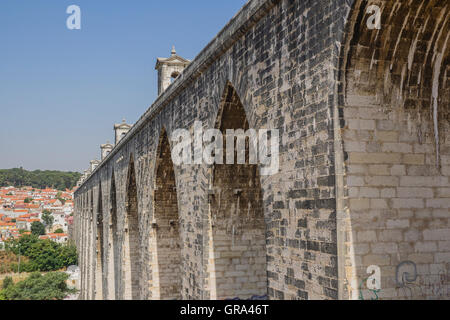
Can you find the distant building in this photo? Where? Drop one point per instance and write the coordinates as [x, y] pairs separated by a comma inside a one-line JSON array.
[[56, 237]]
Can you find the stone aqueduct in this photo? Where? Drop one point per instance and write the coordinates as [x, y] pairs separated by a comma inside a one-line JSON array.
[[363, 115]]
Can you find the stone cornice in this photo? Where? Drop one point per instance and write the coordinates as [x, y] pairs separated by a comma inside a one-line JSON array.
[[174, 60]]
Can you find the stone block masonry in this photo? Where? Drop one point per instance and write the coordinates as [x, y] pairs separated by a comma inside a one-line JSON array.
[[363, 116]]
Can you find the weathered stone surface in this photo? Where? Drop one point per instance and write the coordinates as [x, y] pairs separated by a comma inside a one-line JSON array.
[[361, 162]]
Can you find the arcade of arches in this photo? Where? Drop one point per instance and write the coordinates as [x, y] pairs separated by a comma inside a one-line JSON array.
[[364, 164]]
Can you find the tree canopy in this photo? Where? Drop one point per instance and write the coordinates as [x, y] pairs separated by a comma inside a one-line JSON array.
[[51, 286], [19, 177], [43, 255], [37, 228]]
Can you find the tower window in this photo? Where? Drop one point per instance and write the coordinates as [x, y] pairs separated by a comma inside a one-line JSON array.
[[173, 76]]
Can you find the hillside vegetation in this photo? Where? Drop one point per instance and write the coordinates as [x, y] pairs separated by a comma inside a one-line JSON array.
[[38, 179], [9, 262]]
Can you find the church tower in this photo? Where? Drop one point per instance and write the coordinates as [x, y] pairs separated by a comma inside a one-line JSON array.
[[169, 69]]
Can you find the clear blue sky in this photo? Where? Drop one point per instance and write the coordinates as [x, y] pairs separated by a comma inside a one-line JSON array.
[[62, 90]]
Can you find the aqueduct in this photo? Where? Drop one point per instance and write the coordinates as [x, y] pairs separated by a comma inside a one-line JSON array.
[[363, 181]]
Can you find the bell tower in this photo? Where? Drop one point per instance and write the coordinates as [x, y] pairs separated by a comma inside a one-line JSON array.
[[169, 69]]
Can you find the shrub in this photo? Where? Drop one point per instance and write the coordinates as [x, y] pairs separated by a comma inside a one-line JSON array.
[[8, 281], [51, 286], [9, 262]]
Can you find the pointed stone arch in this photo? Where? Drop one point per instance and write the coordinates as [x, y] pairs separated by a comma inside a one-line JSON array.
[[114, 253], [393, 97], [237, 244], [165, 240], [131, 243], [84, 204], [403, 67], [100, 259], [90, 248]]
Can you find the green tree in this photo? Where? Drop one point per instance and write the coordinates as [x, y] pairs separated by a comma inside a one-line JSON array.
[[51, 286], [43, 255], [48, 218], [68, 255], [37, 228], [28, 200], [21, 245]]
